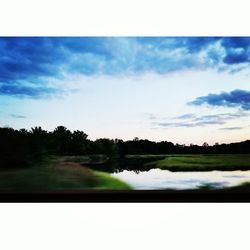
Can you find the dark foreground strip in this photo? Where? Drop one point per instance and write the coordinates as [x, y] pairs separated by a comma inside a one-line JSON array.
[[129, 196]]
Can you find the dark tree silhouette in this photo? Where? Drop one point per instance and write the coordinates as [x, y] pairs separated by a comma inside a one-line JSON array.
[[19, 148]]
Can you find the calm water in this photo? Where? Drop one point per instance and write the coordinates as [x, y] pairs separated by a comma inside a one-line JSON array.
[[164, 179]]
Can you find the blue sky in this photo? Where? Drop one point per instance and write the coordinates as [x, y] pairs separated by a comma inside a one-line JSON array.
[[180, 89]]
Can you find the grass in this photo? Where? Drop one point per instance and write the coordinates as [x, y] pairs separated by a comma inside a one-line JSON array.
[[57, 174], [224, 162], [108, 182]]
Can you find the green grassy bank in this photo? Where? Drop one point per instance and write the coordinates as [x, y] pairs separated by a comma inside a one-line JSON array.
[[225, 162], [54, 173]]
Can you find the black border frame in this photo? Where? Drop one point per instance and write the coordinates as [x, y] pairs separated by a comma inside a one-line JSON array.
[[137, 196]]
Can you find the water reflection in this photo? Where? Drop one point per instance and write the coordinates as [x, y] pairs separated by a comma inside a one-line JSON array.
[[164, 179], [120, 164]]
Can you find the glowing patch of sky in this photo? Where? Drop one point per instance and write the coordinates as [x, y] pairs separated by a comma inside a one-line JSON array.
[[117, 107]]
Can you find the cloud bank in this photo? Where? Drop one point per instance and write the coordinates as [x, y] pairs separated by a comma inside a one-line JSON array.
[[192, 120], [27, 64], [236, 98]]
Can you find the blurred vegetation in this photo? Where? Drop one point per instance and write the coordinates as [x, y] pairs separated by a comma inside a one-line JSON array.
[[49, 160], [55, 173]]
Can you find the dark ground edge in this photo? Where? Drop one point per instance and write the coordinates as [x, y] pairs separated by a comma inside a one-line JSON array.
[[127, 196]]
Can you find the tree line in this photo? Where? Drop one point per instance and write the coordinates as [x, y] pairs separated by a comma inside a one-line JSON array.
[[24, 147]]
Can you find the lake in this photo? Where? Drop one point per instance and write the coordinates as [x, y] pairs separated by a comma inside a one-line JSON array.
[[164, 179]]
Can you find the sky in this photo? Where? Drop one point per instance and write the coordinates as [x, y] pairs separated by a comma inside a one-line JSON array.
[[179, 89]]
